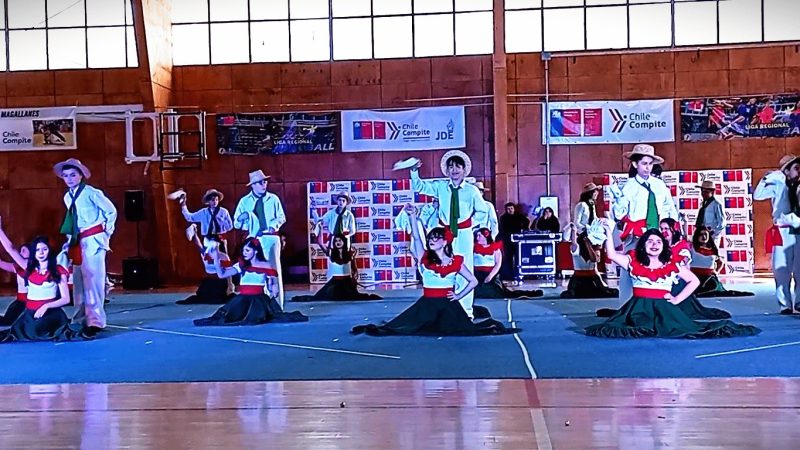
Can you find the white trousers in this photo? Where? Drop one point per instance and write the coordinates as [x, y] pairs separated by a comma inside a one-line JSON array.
[[463, 245], [271, 244], [785, 267], [89, 280]]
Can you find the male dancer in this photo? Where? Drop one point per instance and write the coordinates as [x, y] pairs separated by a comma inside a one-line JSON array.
[[340, 220], [488, 219], [710, 215], [640, 204], [260, 214], [88, 225], [780, 238], [458, 201], [214, 219]]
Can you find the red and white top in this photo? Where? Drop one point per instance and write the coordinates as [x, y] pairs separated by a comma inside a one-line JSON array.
[[41, 289], [438, 280], [652, 283], [338, 270], [254, 279], [682, 252], [582, 267], [704, 261], [484, 256], [208, 263]]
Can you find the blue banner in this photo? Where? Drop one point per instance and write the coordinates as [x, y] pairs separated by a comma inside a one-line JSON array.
[[276, 134]]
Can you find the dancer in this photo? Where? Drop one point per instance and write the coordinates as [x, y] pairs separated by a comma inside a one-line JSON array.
[[780, 240], [437, 312], [341, 274], [488, 260], [706, 263], [640, 204], [586, 281], [212, 289], [215, 220], [260, 214], [652, 310], [252, 306], [16, 307], [710, 215], [459, 202], [487, 218], [88, 224], [43, 319], [340, 220]]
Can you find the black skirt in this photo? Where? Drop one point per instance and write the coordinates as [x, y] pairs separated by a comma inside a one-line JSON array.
[[589, 287], [690, 306], [710, 286], [211, 291], [337, 289], [495, 289], [434, 317], [13, 311], [250, 310], [53, 326]]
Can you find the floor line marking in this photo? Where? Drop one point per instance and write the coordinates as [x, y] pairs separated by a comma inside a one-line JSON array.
[[745, 350], [522, 347], [543, 441], [253, 341]]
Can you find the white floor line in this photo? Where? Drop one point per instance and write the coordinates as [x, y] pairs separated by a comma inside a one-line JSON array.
[[540, 430], [252, 341], [745, 350], [521, 344]]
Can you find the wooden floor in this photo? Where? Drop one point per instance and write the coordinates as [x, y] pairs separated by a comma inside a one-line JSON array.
[[408, 414]]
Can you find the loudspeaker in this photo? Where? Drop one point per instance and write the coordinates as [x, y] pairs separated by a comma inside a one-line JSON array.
[[134, 206], [139, 273]]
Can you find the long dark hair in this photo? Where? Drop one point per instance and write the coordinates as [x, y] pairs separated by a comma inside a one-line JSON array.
[[485, 232], [342, 255], [673, 225], [33, 263], [696, 244], [431, 255], [641, 253], [255, 244], [586, 197]]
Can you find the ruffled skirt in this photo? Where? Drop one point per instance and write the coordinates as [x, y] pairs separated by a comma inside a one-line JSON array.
[[250, 310], [337, 289]]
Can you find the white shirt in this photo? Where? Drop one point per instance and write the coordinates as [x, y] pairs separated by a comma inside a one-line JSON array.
[[203, 217], [273, 212], [633, 202], [773, 187], [348, 221], [337, 270], [700, 261], [578, 263], [470, 199], [41, 289], [581, 216], [93, 208]]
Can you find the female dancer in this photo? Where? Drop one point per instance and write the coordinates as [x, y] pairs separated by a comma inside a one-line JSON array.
[[488, 260], [438, 312], [706, 263], [252, 306], [16, 307], [212, 289], [43, 319], [341, 274], [586, 282], [653, 311]]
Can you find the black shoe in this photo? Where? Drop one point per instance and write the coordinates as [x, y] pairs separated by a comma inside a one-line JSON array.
[[606, 312], [786, 312]]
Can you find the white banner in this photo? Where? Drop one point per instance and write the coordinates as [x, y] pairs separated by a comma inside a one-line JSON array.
[[417, 129], [610, 122], [37, 128]]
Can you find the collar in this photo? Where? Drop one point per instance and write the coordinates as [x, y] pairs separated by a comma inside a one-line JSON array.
[[451, 184], [642, 180]]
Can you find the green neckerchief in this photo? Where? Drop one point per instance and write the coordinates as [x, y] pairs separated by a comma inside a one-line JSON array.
[[652, 210], [337, 228], [454, 210], [259, 210], [69, 226]]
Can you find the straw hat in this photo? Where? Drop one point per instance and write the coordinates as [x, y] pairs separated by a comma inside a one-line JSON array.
[[707, 185], [588, 187], [58, 168], [257, 176], [787, 161], [212, 192], [645, 150], [464, 156], [344, 195]]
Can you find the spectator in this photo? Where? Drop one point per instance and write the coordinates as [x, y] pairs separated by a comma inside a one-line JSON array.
[[512, 222], [547, 222]]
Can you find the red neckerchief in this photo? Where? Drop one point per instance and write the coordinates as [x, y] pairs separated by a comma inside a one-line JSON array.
[[443, 271], [488, 249]]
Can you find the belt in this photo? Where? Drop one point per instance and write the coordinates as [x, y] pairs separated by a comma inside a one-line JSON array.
[[585, 273], [266, 233], [773, 238], [436, 292], [33, 305], [461, 225], [657, 294], [636, 228], [97, 229], [251, 289], [702, 271], [22, 296], [484, 268]]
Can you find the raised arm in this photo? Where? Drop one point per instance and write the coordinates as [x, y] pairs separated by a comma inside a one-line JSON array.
[[417, 246], [618, 258], [322, 246], [224, 272], [9, 247], [768, 186], [426, 187]]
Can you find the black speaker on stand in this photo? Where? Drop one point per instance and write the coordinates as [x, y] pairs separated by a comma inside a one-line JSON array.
[[137, 272]]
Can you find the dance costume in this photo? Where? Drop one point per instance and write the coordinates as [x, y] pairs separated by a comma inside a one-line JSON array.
[[252, 306], [341, 285], [16, 307], [585, 281], [212, 289], [484, 263], [53, 325], [648, 314], [704, 263], [434, 314]]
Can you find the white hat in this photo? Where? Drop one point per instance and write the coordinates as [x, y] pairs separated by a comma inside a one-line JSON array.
[[257, 176], [59, 167], [645, 150], [462, 155]]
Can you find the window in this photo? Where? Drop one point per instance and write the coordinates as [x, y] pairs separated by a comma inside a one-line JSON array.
[[67, 34]]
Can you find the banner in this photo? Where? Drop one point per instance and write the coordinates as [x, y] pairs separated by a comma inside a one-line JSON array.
[[37, 128], [707, 119], [417, 129], [610, 122], [275, 134], [734, 193]]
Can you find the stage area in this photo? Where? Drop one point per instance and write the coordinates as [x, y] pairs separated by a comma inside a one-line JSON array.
[[152, 339]]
